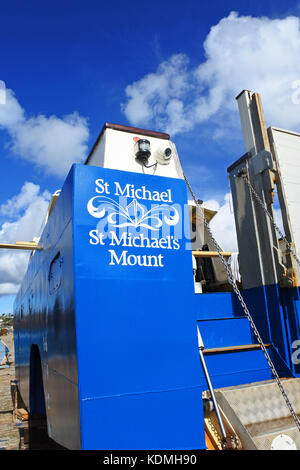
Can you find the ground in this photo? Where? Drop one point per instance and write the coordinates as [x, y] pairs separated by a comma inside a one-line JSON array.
[[15, 434]]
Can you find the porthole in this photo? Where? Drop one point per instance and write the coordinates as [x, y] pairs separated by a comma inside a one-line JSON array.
[[55, 273]]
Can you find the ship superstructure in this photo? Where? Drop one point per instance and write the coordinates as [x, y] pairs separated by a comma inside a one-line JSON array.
[[127, 284]]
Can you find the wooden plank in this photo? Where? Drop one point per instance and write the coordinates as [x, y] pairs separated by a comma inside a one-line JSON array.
[[233, 348], [21, 414], [137, 130], [259, 124], [210, 254], [209, 440], [20, 246]]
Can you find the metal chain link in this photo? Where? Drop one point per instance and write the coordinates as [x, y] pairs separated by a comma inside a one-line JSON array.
[[245, 308], [262, 205]]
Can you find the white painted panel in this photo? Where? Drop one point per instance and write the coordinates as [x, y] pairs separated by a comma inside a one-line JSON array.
[[287, 153], [115, 150]]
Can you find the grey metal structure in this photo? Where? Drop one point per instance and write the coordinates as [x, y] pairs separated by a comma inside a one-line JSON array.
[[259, 414], [262, 261]]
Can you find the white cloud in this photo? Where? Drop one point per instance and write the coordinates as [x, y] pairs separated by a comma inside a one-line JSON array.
[[51, 143], [26, 212], [29, 191], [223, 224], [159, 95], [8, 289], [242, 52]]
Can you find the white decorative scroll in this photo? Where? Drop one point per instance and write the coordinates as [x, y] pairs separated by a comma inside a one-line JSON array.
[[134, 214]]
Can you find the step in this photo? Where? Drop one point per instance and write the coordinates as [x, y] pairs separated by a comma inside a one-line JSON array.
[[264, 441], [258, 411]]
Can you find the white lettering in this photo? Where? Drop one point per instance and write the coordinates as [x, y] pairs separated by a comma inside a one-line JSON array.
[[133, 260], [101, 187], [141, 193], [295, 355], [96, 237]]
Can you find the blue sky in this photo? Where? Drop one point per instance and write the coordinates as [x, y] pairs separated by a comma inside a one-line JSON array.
[[69, 66]]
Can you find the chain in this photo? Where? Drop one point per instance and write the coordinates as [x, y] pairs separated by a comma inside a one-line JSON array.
[[262, 205], [245, 308]]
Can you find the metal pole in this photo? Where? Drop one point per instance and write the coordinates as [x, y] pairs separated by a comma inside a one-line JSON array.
[[211, 390]]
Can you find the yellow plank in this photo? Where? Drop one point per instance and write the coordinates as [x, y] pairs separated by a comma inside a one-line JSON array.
[[233, 348], [21, 414], [210, 254], [20, 246]]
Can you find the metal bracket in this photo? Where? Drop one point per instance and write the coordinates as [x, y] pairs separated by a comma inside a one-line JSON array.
[[262, 161]]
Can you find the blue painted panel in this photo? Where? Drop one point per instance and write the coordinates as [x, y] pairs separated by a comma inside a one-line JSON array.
[[225, 332], [223, 324], [45, 317], [290, 300], [217, 305], [234, 368], [242, 367], [136, 332], [135, 418], [116, 329]]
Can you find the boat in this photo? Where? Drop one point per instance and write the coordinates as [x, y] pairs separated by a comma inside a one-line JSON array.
[[134, 329]]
